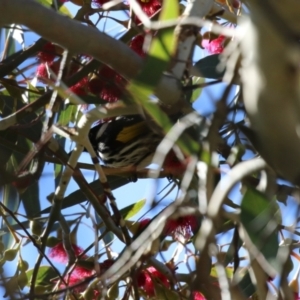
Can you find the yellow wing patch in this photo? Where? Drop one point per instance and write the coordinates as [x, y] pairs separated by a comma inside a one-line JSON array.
[[130, 132]]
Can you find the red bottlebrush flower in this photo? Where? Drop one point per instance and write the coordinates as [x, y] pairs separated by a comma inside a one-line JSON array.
[[42, 70], [42, 74], [95, 85], [111, 84], [81, 273], [146, 278], [75, 278], [59, 254], [25, 179], [173, 165], [143, 223], [48, 53], [215, 46], [150, 7], [80, 87], [182, 227], [136, 45], [105, 265], [198, 296]]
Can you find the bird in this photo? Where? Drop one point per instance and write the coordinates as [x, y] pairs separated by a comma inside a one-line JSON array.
[[124, 141]]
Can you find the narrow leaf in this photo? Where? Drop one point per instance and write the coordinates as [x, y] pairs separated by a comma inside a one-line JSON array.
[[257, 216], [135, 209], [208, 67]]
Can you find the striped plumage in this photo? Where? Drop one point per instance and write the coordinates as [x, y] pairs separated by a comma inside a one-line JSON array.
[[124, 141]]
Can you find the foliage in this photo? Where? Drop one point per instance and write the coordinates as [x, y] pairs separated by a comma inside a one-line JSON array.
[[204, 243]]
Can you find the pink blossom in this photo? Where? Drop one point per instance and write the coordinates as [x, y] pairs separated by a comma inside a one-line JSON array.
[[198, 296], [59, 254], [214, 46], [146, 278]]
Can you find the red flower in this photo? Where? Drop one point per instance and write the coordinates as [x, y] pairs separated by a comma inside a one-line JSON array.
[[143, 223], [105, 265], [214, 46], [182, 227], [95, 85], [59, 254], [198, 296], [108, 84], [81, 273], [173, 165], [80, 87], [150, 7], [42, 74], [42, 70], [24, 180], [146, 278], [48, 53], [136, 45]]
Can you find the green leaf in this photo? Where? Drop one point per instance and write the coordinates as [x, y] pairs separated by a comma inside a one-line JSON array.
[[79, 197], [5, 152], [64, 10], [31, 200], [207, 67], [45, 275], [197, 92], [246, 285], [33, 92], [10, 198], [65, 116], [257, 216], [109, 236], [233, 248], [46, 3], [228, 270], [11, 43], [134, 209]]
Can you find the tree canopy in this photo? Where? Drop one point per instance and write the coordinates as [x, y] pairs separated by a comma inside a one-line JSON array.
[[130, 70]]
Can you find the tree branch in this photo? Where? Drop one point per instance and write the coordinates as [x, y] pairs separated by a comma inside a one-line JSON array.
[[62, 30]]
